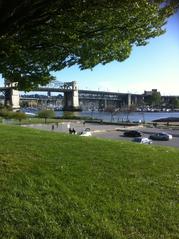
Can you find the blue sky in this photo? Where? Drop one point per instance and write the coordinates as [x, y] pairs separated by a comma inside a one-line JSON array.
[[153, 66]]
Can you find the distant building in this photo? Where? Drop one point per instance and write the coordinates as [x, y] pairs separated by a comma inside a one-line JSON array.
[[147, 93]]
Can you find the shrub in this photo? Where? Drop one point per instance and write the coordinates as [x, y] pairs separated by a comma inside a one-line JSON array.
[[46, 114], [19, 116]]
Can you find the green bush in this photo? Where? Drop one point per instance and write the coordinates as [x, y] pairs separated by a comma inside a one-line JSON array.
[[46, 114], [6, 113], [19, 116]]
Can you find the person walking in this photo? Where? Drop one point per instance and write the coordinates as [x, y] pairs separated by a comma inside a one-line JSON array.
[[68, 126]]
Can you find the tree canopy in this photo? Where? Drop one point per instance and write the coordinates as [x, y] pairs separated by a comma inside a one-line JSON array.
[[41, 36], [174, 102], [46, 114], [154, 99]]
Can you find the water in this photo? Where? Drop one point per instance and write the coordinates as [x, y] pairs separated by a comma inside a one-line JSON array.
[[134, 116]]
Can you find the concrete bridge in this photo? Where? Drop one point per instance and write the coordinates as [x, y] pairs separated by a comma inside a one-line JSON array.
[[106, 99], [72, 96], [70, 90], [75, 99]]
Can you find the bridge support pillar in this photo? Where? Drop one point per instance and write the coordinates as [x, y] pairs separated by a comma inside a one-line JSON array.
[[48, 93], [129, 100], [12, 98], [105, 103], [71, 99]]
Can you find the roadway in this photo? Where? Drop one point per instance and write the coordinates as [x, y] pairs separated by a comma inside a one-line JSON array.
[[112, 132], [118, 135]]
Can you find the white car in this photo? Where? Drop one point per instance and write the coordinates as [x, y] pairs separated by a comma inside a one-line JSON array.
[[142, 140], [86, 132]]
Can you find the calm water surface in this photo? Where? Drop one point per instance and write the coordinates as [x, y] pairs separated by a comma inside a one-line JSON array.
[[134, 116]]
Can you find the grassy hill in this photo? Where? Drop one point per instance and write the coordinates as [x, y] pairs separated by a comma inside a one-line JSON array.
[[55, 185]]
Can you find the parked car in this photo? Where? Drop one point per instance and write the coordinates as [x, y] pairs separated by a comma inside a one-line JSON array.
[[132, 133], [142, 140], [86, 132], [161, 136]]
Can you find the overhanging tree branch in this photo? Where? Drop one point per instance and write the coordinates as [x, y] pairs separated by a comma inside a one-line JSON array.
[[38, 36]]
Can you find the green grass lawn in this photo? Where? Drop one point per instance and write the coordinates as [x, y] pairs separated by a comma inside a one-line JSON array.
[[56, 185], [36, 120], [30, 120]]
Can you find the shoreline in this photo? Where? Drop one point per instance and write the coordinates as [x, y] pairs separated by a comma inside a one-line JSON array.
[[167, 120]]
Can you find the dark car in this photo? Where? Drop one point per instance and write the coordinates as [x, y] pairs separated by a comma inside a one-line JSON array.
[[161, 136], [132, 133]]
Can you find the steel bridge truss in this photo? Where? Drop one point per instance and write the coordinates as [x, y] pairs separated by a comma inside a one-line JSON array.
[[58, 85]]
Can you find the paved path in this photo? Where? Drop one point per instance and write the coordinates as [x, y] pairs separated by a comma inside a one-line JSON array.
[[108, 131]]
